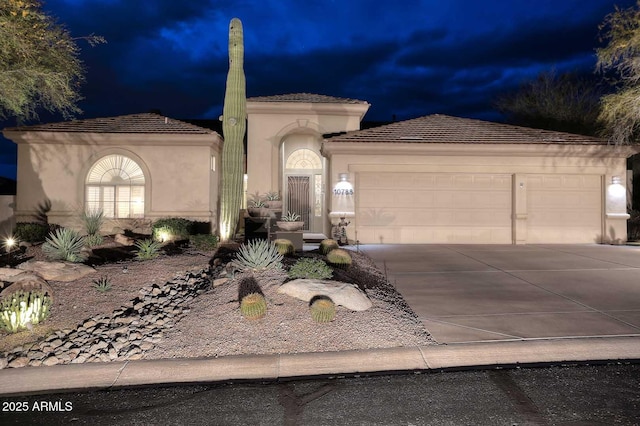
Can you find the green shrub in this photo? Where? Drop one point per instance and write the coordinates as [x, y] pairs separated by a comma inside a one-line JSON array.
[[205, 242], [259, 255], [102, 284], [93, 240], [64, 244], [21, 309], [93, 221], [284, 246], [147, 249], [322, 309], [253, 306], [310, 268], [31, 232], [339, 257], [327, 245], [171, 229]]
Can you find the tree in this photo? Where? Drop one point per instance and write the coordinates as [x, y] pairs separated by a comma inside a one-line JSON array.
[[39, 63], [567, 102], [619, 60]]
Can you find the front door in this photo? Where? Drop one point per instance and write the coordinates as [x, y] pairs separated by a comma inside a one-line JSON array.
[[304, 197]]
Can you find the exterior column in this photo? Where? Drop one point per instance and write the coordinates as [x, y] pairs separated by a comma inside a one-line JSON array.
[[519, 216], [616, 215]]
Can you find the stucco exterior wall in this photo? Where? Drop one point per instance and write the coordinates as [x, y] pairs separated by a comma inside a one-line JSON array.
[[516, 160], [179, 180], [269, 123], [7, 219]]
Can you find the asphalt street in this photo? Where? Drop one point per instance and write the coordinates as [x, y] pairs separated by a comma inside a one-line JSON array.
[[607, 394]]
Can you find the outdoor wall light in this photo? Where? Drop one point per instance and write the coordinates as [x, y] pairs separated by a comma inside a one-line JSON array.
[[616, 199], [616, 180], [343, 187]]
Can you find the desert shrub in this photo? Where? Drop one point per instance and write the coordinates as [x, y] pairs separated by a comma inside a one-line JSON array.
[[327, 245], [253, 306], [93, 240], [259, 255], [284, 246], [339, 257], [92, 221], [22, 309], [206, 242], [176, 228], [102, 284], [147, 249], [64, 244], [322, 309], [31, 232], [310, 268]]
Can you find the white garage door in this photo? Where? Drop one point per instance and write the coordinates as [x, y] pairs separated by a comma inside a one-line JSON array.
[[433, 208], [564, 209]]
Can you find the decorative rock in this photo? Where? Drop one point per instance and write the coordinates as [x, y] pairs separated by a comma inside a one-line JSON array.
[[52, 360], [343, 294], [57, 271], [19, 362], [27, 282], [124, 240], [220, 281], [9, 274], [3, 363]]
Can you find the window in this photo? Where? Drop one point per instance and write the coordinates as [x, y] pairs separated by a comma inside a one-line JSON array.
[[304, 159], [115, 185]]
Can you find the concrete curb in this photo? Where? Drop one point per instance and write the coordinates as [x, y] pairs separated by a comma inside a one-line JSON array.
[[72, 377]]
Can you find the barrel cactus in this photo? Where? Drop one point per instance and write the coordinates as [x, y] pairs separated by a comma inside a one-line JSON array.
[[327, 245], [253, 306], [284, 246], [339, 257], [234, 126], [322, 309]]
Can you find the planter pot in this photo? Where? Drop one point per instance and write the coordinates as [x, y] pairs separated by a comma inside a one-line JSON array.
[[275, 204], [290, 226], [258, 212]]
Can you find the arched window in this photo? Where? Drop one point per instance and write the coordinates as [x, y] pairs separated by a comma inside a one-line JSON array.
[[304, 159], [115, 185]]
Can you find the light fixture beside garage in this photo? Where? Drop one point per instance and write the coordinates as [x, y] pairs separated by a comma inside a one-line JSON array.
[[343, 187], [616, 197]]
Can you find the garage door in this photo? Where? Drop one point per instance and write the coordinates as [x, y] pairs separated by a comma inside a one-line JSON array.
[[433, 208], [564, 209]]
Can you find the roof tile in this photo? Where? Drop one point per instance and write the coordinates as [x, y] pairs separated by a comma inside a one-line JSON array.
[[446, 129], [305, 98], [133, 123]]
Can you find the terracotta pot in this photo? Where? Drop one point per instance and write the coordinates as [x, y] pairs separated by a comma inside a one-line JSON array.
[[275, 204], [290, 226], [258, 211]]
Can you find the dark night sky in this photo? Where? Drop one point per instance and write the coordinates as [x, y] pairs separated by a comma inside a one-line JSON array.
[[407, 59]]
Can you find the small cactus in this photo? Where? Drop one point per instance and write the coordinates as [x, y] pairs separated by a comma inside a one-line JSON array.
[[322, 309], [253, 306], [339, 257], [327, 245], [284, 246], [22, 310]]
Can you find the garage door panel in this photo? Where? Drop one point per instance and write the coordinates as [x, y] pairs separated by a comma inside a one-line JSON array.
[[434, 208], [564, 208]]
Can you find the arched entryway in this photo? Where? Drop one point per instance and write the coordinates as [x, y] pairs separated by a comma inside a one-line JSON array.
[[303, 180]]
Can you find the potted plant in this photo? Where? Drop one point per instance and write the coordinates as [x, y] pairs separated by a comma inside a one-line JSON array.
[[273, 200], [257, 208], [290, 222]]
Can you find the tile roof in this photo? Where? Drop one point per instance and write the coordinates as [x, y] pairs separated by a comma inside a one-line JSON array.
[[133, 123], [446, 129], [305, 97]]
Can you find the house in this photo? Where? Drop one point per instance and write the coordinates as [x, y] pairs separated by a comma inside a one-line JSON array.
[[433, 179], [136, 168]]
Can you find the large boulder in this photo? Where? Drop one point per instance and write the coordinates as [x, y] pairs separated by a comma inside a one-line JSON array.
[[57, 271], [27, 282], [343, 294]]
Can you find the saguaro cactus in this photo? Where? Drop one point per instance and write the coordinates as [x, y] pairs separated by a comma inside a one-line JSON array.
[[234, 126]]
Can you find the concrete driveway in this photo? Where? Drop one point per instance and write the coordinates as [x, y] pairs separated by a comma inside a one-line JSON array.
[[483, 293]]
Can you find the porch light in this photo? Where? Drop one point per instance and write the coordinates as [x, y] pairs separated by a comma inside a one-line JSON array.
[[616, 180], [343, 187], [616, 199]]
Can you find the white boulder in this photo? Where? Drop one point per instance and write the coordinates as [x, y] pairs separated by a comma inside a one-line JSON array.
[[343, 294]]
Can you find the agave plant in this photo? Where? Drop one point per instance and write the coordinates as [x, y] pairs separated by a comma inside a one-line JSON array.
[[290, 217], [64, 244], [93, 221], [102, 284], [259, 255], [147, 249]]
